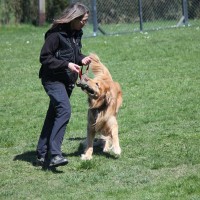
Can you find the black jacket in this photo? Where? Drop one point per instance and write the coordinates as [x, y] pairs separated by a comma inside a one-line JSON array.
[[61, 47]]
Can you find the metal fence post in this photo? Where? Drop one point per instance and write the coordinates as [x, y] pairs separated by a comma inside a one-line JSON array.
[[140, 14], [185, 11], [42, 16], [94, 17]]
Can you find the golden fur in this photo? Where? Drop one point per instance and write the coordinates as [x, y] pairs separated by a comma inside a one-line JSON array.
[[105, 99]]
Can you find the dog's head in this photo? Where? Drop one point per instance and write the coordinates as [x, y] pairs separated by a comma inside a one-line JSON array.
[[97, 90], [93, 87]]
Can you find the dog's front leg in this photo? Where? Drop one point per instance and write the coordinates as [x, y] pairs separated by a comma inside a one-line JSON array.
[[112, 122], [89, 146]]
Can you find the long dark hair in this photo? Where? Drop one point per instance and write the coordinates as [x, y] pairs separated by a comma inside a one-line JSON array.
[[73, 11]]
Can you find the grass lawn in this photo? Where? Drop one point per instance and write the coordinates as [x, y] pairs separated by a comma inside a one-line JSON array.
[[159, 122]]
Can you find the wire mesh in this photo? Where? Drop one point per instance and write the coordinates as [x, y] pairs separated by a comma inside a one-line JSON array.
[[117, 16]]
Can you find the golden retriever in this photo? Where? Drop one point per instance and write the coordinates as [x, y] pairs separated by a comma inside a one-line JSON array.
[[104, 99]]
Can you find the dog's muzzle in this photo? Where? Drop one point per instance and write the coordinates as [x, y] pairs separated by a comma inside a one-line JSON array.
[[82, 83]]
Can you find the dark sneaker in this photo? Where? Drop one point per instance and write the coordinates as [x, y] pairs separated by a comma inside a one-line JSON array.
[[58, 161], [40, 161]]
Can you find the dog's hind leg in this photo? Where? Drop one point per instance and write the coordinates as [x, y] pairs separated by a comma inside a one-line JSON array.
[[114, 135], [106, 147], [89, 146]]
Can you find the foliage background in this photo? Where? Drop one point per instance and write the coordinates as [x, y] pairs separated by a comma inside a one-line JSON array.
[[26, 11]]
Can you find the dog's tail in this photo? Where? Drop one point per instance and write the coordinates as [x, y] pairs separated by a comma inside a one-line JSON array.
[[98, 69]]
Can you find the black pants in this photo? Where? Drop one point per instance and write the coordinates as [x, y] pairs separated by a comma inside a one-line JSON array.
[[57, 118]]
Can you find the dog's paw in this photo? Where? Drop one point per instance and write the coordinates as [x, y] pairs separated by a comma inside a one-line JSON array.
[[106, 149], [116, 150], [85, 157]]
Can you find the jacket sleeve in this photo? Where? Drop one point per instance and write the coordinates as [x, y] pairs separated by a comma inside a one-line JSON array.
[[47, 54]]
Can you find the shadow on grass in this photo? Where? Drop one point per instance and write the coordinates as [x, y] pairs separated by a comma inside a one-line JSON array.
[[76, 139], [30, 157]]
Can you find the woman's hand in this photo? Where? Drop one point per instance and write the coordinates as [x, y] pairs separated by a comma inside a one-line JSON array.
[[74, 67], [86, 60]]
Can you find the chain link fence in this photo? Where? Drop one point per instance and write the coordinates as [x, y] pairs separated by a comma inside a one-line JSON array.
[[117, 16], [110, 16]]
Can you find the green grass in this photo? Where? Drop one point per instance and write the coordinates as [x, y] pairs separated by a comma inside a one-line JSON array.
[[159, 122]]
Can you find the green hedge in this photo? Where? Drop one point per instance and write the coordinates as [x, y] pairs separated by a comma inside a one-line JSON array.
[[26, 11]]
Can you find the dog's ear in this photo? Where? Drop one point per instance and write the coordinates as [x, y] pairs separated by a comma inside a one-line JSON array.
[[108, 97]]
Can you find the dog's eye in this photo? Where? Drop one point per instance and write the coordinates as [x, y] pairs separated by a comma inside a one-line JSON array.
[[97, 84]]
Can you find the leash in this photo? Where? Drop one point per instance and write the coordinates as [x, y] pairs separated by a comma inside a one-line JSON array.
[[81, 71]]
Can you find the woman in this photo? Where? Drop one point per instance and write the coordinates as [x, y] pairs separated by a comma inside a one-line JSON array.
[[60, 58]]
